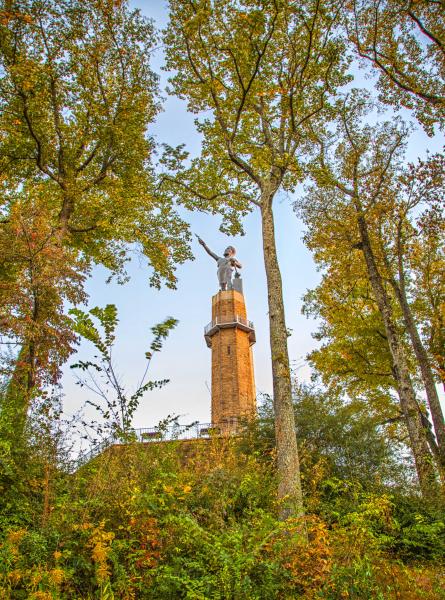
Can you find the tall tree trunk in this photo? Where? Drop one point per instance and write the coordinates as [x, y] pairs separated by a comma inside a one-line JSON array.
[[425, 368], [66, 211], [437, 347], [20, 388], [22, 383], [289, 486], [417, 435]]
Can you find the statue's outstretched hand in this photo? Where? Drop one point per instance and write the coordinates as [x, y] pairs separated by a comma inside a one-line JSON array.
[[206, 248]]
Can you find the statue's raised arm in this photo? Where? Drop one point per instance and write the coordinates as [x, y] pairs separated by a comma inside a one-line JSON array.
[[207, 249]]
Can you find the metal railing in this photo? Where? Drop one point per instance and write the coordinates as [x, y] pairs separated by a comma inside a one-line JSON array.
[[234, 320], [146, 435]]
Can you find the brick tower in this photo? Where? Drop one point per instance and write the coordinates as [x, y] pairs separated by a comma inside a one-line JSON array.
[[231, 336]]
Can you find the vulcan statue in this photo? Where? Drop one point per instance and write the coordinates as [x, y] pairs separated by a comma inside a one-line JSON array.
[[227, 264]]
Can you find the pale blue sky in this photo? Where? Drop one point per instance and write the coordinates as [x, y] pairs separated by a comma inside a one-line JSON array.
[[185, 359]]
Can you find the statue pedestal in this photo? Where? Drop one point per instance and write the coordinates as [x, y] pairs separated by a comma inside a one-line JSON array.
[[230, 335], [237, 284]]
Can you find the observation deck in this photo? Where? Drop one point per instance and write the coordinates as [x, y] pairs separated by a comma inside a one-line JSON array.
[[237, 322]]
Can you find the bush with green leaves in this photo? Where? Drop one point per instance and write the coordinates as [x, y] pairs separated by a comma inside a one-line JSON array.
[[198, 519]]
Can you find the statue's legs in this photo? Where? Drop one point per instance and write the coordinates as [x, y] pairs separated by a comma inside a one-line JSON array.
[[225, 277]]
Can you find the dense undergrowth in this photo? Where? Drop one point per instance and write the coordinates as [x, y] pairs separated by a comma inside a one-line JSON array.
[[197, 520]]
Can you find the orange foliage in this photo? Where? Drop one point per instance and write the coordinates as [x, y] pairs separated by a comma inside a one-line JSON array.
[[308, 561]]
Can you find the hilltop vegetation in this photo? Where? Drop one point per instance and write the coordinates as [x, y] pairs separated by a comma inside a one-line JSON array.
[[199, 519]]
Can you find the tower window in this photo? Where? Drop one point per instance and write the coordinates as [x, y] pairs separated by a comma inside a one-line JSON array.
[[228, 349]]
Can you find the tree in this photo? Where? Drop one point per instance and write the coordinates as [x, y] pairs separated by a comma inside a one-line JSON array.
[[428, 267], [36, 278], [405, 42], [261, 71], [100, 376], [354, 181], [354, 356], [76, 97], [420, 190], [398, 234]]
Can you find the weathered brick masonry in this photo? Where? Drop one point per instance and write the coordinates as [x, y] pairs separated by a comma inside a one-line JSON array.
[[230, 336]]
